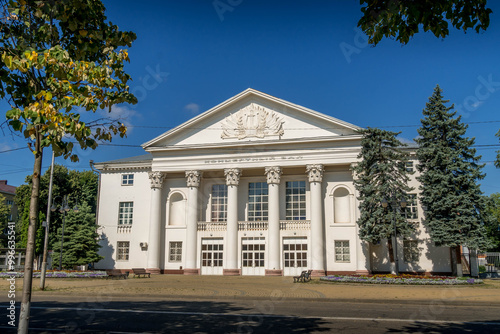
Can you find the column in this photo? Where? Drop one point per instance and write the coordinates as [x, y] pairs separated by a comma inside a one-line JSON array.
[[231, 242], [155, 232], [274, 244], [193, 178], [315, 174]]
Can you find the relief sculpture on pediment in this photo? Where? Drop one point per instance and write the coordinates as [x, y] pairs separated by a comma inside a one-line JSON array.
[[252, 121]]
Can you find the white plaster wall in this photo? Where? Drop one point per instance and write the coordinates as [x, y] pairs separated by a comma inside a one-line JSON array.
[[431, 259], [112, 192], [339, 231]]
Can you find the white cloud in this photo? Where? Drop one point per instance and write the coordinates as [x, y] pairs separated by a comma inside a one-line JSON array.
[[193, 108], [6, 146], [477, 104]]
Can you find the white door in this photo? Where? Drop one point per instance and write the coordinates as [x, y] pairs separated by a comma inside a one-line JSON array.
[[294, 255], [212, 250], [252, 256]]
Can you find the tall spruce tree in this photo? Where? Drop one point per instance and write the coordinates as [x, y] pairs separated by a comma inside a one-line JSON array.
[[381, 174], [455, 208], [80, 245]]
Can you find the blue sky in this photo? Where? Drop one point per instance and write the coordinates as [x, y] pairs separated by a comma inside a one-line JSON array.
[[189, 56]]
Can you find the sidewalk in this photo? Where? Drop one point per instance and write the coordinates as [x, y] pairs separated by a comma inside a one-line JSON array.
[[231, 287]]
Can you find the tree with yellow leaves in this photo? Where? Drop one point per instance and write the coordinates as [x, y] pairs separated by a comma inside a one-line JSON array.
[[60, 59]]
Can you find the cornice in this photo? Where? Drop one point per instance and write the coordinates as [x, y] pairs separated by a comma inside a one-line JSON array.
[[260, 143]]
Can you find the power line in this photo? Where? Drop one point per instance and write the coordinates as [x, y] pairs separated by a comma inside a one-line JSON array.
[[14, 149]]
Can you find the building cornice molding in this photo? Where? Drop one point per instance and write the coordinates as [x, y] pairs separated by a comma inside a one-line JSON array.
[[261, 143]]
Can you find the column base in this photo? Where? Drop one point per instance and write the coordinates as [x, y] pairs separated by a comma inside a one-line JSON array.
[[318, 273], [193, 271], [274, 272], [231, 272], [153, 271]]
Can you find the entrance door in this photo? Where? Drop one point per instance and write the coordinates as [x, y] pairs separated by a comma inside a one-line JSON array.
[[252, 256], [212, 250], [294, 255]]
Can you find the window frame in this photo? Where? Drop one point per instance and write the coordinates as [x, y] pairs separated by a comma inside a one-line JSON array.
[[175, 251], [411, 252], [122, 250], [342, 252], [411, 207], [295, 200], [127, 179], [218, 199], [126, 221], [258, 210]]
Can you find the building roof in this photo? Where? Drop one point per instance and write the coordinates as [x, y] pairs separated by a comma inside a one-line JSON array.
[[138, 158], [6, 189]]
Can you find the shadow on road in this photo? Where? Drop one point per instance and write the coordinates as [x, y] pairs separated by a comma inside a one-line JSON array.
[[164, 317], [448, 328]]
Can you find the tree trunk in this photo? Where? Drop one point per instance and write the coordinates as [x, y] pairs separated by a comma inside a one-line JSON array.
[[390, 247], [24, 314], [459, 261]]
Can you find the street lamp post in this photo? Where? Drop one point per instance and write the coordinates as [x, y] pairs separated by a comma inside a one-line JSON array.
[[63, 209], [395, 205]]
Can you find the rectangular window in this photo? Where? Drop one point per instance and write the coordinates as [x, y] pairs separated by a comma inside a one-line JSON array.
[[295, 200], [409, 166], [125, 215], [219, 203], [175, 253], [10, 202], [127, 179], [257, 201], [123, 250], [342, 253], [410, 250], [411, 209]]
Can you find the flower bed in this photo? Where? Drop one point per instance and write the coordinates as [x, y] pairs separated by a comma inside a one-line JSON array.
[[402, 279], [58, 274]]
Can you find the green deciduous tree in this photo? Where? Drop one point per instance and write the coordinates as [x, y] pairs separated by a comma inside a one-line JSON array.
[[381, 174], [78, 186], [4, 220], [80, 245], [22, 234], [59, 58], [401, 19], [455, 206]]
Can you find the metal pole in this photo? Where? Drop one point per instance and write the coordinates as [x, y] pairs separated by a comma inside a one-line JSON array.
[[62, 240], [62, 233], [46, 240]]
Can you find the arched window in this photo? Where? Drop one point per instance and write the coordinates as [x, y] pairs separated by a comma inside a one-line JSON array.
[[342, 205], [177, 210]]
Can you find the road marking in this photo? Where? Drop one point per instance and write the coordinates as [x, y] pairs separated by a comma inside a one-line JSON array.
[[265, 315]]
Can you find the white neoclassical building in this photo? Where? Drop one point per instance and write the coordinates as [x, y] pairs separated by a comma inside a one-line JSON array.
[[254, 186]]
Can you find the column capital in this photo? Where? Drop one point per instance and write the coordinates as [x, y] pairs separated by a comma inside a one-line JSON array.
[[273, 174], [232, 176], [193, 178], [315, 172], [156, 179]]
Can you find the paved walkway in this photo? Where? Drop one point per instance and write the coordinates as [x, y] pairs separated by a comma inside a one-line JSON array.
[[229, 287]]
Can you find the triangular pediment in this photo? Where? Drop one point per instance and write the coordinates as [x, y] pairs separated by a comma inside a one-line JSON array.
[[252, 116]]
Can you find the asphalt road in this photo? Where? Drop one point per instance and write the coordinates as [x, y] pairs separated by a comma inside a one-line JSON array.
[[64, 314]]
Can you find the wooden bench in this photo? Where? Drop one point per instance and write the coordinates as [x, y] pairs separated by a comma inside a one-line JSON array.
[[116, 273], [305, 276], [141, 271]]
